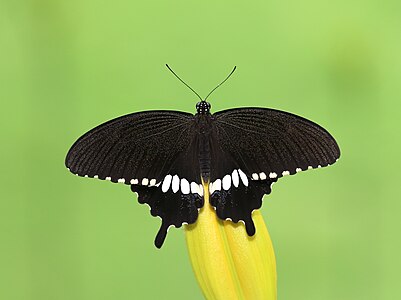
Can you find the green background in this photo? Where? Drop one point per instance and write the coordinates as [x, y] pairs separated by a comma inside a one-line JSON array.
[[66, 66]]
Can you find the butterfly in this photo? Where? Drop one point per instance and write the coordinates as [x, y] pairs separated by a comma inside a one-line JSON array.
[[168, 158]]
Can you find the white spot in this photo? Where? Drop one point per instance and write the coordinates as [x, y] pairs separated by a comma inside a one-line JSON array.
[[262, 176], [227, 182], [134, 181], [211, 189], [310, 168], [145, 181], [185, 186], [96, 176], [108, 178], [68, 169], [229, 219], [244, 178], [175, 185], [216, 186], [235, 178], [285, 173], [121, 180], [273, 175], [77, 174], [298, 170], [195, 188], [319, 166], [152, 182], [86, 176], [255, 176], [201, 190], [166, 183]]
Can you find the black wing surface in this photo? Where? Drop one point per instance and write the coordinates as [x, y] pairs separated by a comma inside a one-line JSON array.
[[178, 197], [134, 148], [252, 148], [269, 143], [156, 153]]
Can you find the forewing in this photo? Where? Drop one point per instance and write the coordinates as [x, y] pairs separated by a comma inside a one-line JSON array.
[[268, 143], [134, 148]]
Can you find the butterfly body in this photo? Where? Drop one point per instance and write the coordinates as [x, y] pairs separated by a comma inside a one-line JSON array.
[[167, 157], [203, 121]]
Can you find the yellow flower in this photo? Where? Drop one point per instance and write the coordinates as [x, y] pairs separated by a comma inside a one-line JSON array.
[[229, 264]]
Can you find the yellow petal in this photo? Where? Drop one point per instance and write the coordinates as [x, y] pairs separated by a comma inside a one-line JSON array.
[[229, 264]]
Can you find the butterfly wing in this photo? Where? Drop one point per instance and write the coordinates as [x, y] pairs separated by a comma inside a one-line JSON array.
[[274, 142], [178, 197], [256, 146], [132, 148], [146, 150]]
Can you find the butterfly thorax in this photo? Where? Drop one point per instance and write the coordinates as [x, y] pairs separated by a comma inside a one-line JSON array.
[[204, 129]]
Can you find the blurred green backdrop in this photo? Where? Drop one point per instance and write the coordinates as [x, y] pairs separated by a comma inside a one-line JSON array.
[[66, 66]]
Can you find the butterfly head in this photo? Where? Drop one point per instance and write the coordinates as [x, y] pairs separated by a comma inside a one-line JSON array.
[[203, 108]]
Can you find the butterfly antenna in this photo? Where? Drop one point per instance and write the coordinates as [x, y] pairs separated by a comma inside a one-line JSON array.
[[229, 75], [184, 82]]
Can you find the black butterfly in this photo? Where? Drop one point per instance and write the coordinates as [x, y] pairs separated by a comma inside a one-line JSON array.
[[166, 156]]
